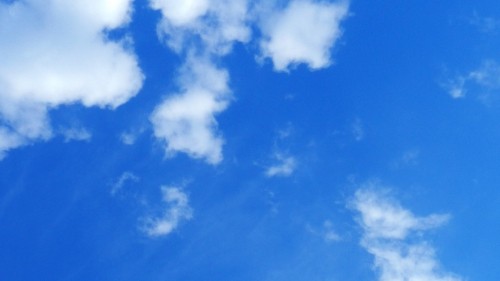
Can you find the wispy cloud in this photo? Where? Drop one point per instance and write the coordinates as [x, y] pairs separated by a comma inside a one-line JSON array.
[[485, 24], [389, 235], [288, 41], [327, 232], [122, 180], [76, 134], [284, 166], [176, 210], [55, 54], [486, 77], [202, 32]]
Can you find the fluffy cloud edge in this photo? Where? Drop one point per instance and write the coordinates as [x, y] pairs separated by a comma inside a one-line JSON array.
[[72, 62], [387, 228], [288, 42]]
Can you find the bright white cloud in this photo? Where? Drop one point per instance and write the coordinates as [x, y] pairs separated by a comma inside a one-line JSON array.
[[216, 24], [54, 53], [383, 217], [204, 30], [387, 228], [304, 32], [181, 13], [185, 121], [284, 166], [176, 210]]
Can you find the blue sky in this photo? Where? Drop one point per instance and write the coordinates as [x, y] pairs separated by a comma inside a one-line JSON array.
[[249, 140]]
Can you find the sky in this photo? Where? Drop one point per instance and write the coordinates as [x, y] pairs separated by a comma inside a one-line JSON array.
[[297, 140]]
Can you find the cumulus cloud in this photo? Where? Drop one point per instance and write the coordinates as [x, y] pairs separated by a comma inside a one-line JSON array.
[[176, 210], [181, 13], [303, 32], [203, 31], [388, 234], [55, 53], [185, 121], [215, 24], [285, 166]]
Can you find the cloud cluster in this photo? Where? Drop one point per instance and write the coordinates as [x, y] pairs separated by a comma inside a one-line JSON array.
[[388, 229], [55, 53], [202, 31], [176, 210]]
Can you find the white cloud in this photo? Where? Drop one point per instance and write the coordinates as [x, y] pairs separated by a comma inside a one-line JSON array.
[[54, 53], [76, 134], [216, 24], [388, 228], [486, 76], [176, 210], [128, 138], [284, 167], [185, 121], [203, 31], [304, 32], [181, 13]]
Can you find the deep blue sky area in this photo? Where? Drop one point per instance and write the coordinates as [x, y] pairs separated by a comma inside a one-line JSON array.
[[315, 140]]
